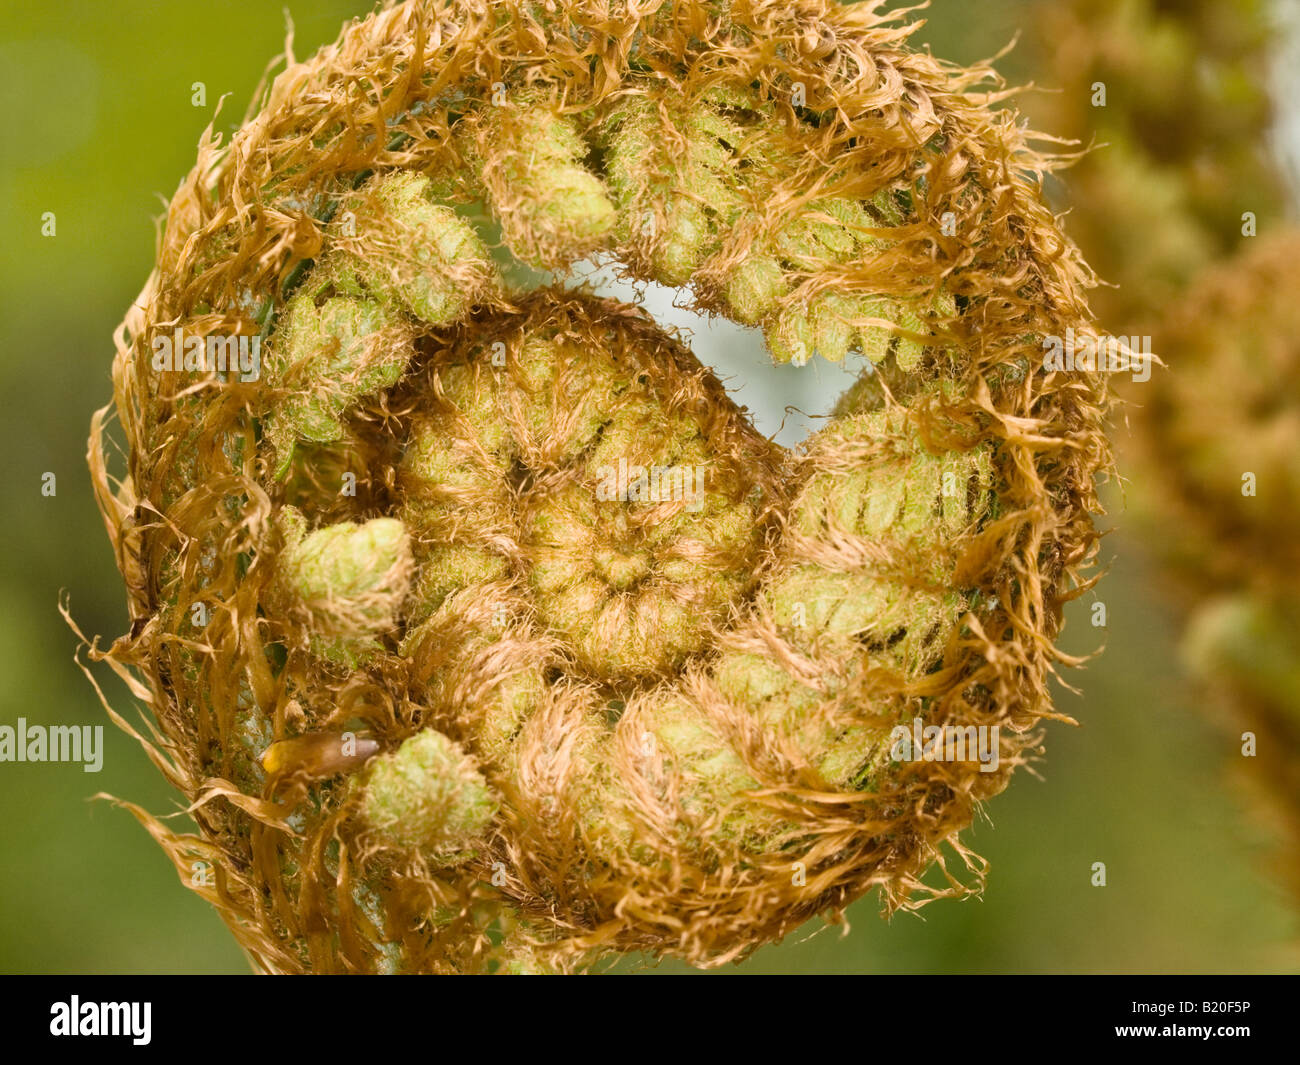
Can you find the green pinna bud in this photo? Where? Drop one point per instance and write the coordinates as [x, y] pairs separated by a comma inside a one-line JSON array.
[[428, 795], [791, 339], [892, 485], [348, 579], [791, 710], [552, 209], [686, 242], [470, 654], [832, 325], [827, 231], [874, 341], [409, 251], [910, 329], [669, 764], [882, 485], [455, 489], [754, 289], [675, 176], [710, 771], [447, 568], [326, 358]]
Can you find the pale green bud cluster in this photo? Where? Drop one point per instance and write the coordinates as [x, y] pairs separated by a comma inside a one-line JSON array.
[[902, 502], [428, 795], [391, 240], [349, 579], [393, 253], [903, 498], [713, 773], [788, 709], [831, 323], [530, 160], [470, 624], [328, 357], [682, 763], [682, 176], [672, 170]]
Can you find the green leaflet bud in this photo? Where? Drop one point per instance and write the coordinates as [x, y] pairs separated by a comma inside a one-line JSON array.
[[790, 339], [833, 324], [569, 397], [754, 289], [428, 795], [409, 251], [350, 579], [453, 489], [454, 468], [874, 341], [832, 329], [907, 351], [448, 568], [684, 246], [789, 709], [678, 218], [896, 497], [529, 159], [469, 654], [329, 357], [683, 762], [900, 490], [714, 774], [506, 707], [828, 231], [903, 627]]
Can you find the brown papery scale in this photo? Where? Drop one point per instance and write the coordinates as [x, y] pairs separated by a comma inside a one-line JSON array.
[[618, 673]]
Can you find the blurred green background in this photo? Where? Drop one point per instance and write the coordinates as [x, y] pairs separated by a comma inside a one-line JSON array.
[[97, 126]]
